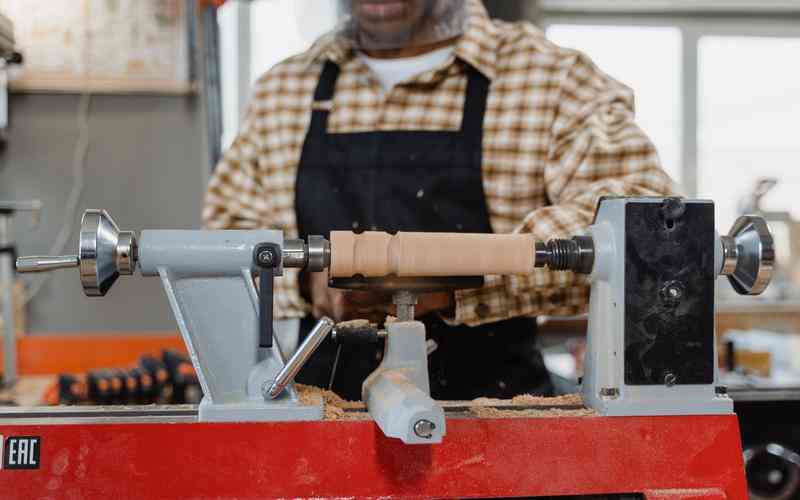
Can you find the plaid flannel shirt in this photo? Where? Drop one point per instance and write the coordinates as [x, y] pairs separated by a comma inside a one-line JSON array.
[[558, 134]]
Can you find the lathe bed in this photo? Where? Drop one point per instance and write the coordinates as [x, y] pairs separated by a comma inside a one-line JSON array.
[[163, 452]]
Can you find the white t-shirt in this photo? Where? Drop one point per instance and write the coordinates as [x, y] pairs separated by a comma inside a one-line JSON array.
[[390, 72]]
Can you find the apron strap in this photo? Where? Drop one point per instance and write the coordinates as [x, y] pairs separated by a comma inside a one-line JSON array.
[[475, 105], [474, 102], [323, 97]]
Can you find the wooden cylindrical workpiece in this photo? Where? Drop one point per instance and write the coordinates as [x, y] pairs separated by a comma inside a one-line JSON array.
[[376, 254]]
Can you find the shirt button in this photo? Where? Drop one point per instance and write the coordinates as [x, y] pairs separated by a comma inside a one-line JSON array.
[[482, 310]]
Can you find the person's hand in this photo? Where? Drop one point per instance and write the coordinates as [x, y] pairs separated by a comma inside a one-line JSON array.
[[434, 302], [343, 305]]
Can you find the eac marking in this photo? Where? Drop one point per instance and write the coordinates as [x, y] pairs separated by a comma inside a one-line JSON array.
[[20, 452]]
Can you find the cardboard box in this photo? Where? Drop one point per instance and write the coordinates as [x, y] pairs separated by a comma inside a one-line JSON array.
[[20, 316]]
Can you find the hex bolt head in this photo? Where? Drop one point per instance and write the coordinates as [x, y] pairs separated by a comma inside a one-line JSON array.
[[266, 258], [672, 293], [424, 428]]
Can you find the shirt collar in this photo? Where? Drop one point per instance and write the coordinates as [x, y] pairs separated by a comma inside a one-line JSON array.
[[477, 46]]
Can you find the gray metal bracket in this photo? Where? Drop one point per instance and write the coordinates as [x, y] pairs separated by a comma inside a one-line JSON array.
[[603, 384], [208, 279], [397, 393]]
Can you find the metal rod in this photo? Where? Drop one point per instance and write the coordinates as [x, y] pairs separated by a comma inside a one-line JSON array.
[[321, 330], [43, 264], [7, 298], [212, 84], [405, 302]]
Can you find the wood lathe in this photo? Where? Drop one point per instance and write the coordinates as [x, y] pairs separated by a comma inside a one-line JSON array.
[[661, 425]]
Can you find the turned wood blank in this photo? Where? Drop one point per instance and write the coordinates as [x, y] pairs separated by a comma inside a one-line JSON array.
[[377, 254]]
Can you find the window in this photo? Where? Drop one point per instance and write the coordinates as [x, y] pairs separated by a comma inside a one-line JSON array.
[[749, 110], [717, 86], [651, 67], [256, 35], [281, 28]]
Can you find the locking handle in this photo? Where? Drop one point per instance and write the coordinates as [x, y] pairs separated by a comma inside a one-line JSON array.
[[267, 258], [273, 388], [104, 253]]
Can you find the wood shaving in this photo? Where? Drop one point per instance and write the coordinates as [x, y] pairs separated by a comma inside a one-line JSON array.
[[354, 323], [530, 400], [492, 412], [335, 407], [504, 408]]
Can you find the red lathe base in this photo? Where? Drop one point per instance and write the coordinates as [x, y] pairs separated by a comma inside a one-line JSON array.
[[661, 457]]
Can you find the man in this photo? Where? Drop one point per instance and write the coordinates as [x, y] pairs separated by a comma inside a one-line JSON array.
[[425, 115]]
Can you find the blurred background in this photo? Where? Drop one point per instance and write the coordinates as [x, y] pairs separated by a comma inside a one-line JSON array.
[[126, 105]]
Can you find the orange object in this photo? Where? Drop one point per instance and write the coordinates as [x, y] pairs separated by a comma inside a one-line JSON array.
[[212, 3], [186, 369], [754, 362], [50, 396], [116, 384], [53, 354]]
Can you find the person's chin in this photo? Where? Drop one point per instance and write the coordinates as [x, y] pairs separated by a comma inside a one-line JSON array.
[[386, 33], [383, 11]]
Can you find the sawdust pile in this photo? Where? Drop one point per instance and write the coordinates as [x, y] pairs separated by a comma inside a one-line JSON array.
[[335, 407], [526, 405], [530, 400], [508, 412]]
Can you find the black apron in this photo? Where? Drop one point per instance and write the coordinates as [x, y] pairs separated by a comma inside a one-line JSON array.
[[411, 181]]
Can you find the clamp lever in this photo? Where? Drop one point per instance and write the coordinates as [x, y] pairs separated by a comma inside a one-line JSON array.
[[267, 258]]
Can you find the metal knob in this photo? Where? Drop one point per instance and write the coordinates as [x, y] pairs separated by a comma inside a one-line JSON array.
[[748, 255], [104, 253]]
